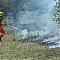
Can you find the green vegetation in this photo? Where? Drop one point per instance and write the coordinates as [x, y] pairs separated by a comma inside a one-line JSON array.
[[11, 6], [57, 11], [12, 49]]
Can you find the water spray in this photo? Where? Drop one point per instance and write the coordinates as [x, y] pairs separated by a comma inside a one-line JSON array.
[[14, 27]]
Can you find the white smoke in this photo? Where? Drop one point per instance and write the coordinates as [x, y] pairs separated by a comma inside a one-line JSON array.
[[24, 33], [51, 27], [38, 12]]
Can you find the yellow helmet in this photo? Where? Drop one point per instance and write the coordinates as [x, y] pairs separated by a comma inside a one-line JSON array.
[[1, 13]]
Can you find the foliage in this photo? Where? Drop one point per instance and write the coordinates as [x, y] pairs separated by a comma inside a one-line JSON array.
[[11, 5], [57, 11]]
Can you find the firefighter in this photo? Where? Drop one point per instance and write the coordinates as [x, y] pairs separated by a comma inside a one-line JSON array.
[[2, 32]]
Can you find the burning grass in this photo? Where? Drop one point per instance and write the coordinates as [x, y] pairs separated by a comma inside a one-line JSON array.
[[12, 49]]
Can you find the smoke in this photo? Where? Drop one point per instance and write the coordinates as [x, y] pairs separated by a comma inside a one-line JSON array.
[[31, 10], [36, 22], [43, 6], [36, 10], [35, 16]]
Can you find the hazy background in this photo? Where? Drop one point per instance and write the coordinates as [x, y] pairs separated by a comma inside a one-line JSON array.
[[36, 10]]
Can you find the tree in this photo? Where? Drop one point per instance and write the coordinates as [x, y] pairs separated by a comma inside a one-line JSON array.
[[12, 6], [57, 11], [3, 6]]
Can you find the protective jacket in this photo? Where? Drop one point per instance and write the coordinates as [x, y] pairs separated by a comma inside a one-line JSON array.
[[2, 32]]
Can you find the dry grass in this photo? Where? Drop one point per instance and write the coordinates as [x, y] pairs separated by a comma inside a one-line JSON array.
[[11, 49]]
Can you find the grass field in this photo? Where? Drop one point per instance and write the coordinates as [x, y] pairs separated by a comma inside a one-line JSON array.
[[12, 49]]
